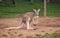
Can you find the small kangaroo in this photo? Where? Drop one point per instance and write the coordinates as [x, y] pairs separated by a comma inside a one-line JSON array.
[[28, 18]]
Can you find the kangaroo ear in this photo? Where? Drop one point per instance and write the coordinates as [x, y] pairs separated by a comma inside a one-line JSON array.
[[38, 10], [34, 10]]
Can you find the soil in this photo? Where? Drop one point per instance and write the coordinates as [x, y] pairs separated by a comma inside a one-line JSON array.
[[46, 25]]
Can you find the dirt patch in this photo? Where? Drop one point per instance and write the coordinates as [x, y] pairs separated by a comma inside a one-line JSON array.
[[46, 25]]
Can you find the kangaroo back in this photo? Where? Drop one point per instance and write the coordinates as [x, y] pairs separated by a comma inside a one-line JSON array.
[[28, 15]]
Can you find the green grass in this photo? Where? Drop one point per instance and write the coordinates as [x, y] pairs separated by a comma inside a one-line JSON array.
[[9, 10], [54, 35], [53, 10]]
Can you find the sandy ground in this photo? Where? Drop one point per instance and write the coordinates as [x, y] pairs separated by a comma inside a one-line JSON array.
[[46, 25]]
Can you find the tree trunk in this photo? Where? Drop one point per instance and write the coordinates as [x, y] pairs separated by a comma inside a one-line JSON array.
[[53, 1], [0, 0], [13, 1], [31, 1], [44, 7]]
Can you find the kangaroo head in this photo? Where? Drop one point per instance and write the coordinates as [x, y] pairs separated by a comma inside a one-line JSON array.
[[36, 12]]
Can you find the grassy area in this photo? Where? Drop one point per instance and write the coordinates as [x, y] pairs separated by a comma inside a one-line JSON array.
[[54, 35], [53, 10], [10, 10]]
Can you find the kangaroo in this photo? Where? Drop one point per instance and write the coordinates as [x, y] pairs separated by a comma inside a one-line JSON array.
[[36, 16], [27, 19]]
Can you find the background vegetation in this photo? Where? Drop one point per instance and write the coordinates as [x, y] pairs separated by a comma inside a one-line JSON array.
[[8, 9]]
